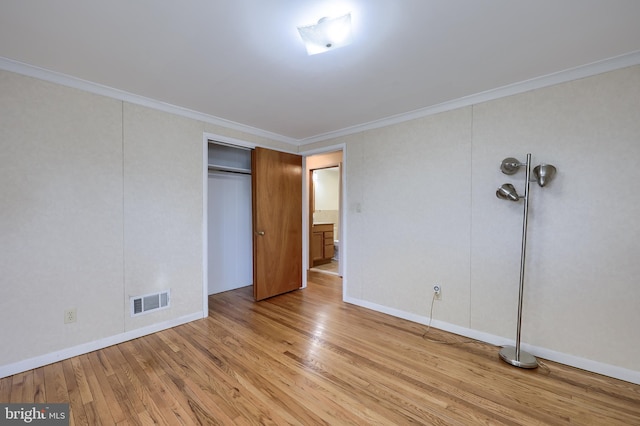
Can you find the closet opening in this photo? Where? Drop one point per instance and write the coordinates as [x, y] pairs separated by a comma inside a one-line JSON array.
[[229, 217]]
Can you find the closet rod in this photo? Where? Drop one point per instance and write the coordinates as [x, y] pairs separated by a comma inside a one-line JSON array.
[[226, 169]]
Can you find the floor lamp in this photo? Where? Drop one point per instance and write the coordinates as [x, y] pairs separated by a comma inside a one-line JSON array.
[[543, 174]]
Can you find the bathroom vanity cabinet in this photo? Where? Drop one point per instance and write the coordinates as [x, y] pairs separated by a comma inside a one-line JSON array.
[[321, 243]]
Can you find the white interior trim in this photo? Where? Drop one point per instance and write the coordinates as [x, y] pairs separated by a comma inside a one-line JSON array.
[[99, 89], [588, 70], [39, 361], [206, 138], [306, 226], [489, 95], [205, 225], [343, 216], [562, 358]]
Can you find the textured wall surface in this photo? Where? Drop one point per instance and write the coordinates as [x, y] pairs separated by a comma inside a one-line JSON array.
[[61, 217], [421, 208]]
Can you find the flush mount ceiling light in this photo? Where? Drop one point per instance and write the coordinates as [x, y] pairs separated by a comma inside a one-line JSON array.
[[327, 34]]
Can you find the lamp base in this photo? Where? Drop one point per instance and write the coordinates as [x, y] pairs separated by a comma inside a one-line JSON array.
[[526, 360]]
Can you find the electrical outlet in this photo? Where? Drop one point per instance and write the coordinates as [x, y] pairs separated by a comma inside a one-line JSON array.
[[437, 290], [70, 316]]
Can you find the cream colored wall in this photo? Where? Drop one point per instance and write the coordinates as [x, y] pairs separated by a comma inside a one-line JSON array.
[[327, 198], [408, 214], [582, 294], [61, 217], [101, 200], [422, 209], [163, 196], [77, 192], [327, 194]]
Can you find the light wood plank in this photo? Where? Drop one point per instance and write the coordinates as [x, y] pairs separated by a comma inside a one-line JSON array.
[[17, 387], [97, 408], [39, 395], [55, 384]]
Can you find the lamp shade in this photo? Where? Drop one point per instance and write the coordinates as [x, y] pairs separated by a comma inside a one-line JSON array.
[[327, 34], [510, 165], [507, 192], [544, 173]]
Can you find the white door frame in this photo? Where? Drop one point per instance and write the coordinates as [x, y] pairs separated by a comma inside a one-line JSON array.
[[206, 137], [306, 226]]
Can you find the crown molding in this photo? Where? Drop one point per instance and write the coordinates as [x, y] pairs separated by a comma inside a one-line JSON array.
[[99, 89], [588, 70], [611, 64]]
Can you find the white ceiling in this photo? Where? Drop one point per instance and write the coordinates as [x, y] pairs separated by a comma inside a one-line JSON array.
[[243, 60]]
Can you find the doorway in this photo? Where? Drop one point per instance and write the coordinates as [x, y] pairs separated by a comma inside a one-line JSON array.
[[253, 219], [325, 212], [318, 159], [230, 246]]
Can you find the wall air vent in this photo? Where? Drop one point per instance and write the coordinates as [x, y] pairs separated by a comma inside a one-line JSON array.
[[149, 302]]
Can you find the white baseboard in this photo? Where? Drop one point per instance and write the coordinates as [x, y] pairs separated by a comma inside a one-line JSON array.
[[562, 358], [41, 360]]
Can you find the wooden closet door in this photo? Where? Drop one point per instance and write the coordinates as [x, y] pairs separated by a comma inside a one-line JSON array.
[[277, 222]]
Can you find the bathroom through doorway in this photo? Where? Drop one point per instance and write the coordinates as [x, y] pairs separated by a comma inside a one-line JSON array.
[[325, 212]]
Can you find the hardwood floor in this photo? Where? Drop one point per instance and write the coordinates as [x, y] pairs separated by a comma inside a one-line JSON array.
[[307, 358]]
